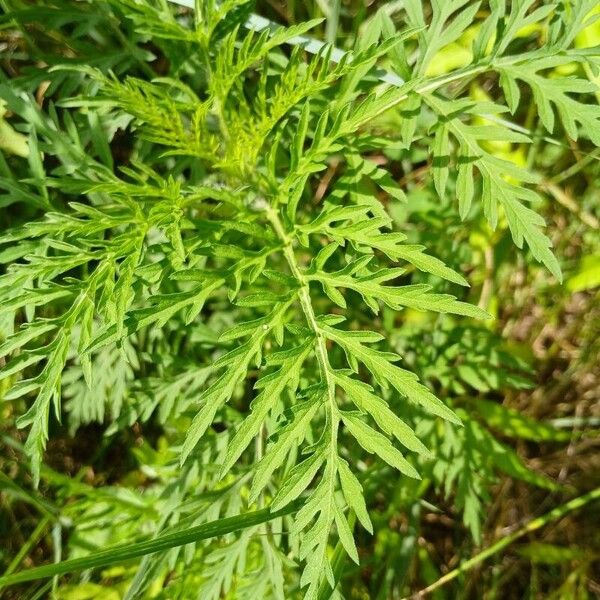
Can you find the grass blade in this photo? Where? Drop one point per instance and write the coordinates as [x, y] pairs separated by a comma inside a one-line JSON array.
[[124, 552]]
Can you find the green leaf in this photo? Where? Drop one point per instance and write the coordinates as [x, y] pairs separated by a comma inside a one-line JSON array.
[[498, 176], [525, 224], [369, 286], [548, 91], [48, 382], [366, 235], [124, 552], [376, 443], [298, 479], [381, 366], [361, 394], [354, 495], [345, 535], [441, 158], [511, 423], [287, 438], [288, 375]]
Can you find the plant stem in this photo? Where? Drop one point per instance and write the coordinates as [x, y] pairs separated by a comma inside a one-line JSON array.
[[533, 525], [304, 297], [26, 548], [333, 416], [309, 313]]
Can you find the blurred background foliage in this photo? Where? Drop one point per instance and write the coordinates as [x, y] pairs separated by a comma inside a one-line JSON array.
[[530, 379]]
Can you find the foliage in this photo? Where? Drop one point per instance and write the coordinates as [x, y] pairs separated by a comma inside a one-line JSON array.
[[239, 275]]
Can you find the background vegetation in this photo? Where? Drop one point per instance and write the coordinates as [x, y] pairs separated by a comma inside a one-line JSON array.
[[85, 150]]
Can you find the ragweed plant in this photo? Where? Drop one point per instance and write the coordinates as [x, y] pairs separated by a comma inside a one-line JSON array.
[[231, 277]]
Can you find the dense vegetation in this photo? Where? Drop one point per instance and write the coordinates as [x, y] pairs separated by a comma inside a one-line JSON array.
[[300, 311]]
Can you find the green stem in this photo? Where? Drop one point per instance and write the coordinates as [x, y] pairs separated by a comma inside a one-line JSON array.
[[533, 525], [311, 319], [333, 417], [25, 549], [305, 302]]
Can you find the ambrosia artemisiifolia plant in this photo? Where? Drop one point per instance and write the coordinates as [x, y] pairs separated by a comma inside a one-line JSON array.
[[221, 264]]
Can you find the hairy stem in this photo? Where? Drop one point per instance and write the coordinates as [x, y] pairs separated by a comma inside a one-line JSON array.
[[305, 301], [311, 319], [333, 417]]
